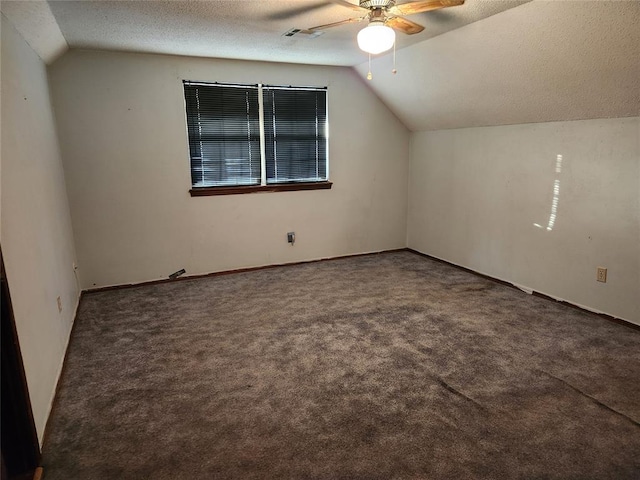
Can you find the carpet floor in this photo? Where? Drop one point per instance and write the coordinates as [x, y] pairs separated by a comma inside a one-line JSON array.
[[387, 366]]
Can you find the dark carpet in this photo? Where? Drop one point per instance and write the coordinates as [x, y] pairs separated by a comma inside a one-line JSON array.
[[388, 366]]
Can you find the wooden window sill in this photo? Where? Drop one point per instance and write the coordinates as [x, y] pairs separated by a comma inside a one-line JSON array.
[[282, 187]]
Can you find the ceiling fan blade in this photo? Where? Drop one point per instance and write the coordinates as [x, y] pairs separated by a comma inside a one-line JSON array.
[[404, 25], [423, 6], [335, 24]]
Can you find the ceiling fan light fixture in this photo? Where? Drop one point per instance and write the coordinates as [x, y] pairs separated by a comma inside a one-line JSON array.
[[376, 38]]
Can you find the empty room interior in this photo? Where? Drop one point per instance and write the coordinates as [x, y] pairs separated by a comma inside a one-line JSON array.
[[320, 239]]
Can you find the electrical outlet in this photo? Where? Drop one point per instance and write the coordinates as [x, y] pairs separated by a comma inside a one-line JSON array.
[[59, 305], [291, 237], [601, 275]]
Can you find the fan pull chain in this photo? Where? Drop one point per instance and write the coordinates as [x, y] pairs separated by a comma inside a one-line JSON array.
[[369, 76]]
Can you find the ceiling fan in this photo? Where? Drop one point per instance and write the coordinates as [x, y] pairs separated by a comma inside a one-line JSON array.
[[385, 16]]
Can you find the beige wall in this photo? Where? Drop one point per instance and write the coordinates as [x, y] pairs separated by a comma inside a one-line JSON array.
[[476, 195], [122, 131], [37, 240]]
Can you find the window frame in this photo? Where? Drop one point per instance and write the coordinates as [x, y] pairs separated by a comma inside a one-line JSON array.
[[263, 187]]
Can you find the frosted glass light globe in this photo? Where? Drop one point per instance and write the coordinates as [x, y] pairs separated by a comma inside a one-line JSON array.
[[376, 38]]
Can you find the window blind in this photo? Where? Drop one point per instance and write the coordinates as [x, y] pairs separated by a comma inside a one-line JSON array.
[[225, 123], [295, 129], [224, 134]]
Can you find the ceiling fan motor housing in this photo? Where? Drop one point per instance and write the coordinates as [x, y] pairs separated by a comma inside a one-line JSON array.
[[371, 4]]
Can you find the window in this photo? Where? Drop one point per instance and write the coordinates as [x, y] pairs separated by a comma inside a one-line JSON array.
[[246, 138]]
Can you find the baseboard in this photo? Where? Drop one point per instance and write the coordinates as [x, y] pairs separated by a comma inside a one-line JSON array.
[[61, 367], [237, 270], [530, 291]]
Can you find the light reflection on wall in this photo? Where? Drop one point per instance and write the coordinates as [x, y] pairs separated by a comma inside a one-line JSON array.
[[556, 196]]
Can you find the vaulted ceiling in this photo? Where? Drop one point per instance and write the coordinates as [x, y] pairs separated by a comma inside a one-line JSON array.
[[241, 29], [487, 62], [542, 61]]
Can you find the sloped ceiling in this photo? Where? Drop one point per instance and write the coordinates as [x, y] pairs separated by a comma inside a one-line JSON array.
[[242, 29], [542, 61], [37, 25], [487, 62]]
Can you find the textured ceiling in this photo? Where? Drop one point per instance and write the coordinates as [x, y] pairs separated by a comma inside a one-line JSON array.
[[483, 63], [243, 29], [540, 62]]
